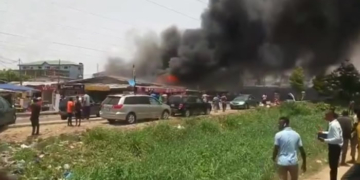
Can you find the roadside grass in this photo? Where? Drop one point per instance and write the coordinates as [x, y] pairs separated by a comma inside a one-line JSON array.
[[236, 146]]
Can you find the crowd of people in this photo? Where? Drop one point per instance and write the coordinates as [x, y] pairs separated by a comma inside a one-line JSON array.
[[79, 108], [342, 131]]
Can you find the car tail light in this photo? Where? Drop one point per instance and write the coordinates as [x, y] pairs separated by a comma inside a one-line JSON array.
[[181, 106], [118, 106]]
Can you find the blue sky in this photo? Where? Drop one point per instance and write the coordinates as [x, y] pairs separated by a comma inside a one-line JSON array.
[[86, 31]]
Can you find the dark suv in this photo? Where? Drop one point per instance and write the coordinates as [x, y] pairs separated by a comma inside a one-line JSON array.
[[94, 107], [188, 105]]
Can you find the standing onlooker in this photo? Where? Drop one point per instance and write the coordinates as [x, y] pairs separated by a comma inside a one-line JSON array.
[[287, 144], [354, 172], [335, 141], [264, 99], [70, 110], [205, 97], [78, 109], [34, 117], [346, 126], [223, 102], [216, 102], [354, 136], [86, 106]]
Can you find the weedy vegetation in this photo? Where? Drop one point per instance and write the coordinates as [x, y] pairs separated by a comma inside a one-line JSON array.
[[237, 146]]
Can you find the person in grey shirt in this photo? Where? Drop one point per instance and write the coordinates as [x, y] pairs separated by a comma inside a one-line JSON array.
[[346, 126], [86, 106]]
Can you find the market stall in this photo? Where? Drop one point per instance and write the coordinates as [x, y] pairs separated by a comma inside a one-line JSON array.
[[21, 96]]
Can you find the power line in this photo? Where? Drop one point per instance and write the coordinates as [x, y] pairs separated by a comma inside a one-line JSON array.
[[173, 10], [10, 34], [81, 47], [47, 49], [69, 45], [201, 2], [76, 28], [93, 14]]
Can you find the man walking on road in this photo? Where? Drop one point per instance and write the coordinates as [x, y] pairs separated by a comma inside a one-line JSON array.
[[34, 117], [287, 144], [347, 127], [335, 141]]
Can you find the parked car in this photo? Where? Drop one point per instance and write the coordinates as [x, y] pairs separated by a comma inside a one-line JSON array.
[[188, 105], [244, 101], [94, 107], [7, 112], [131, 108]]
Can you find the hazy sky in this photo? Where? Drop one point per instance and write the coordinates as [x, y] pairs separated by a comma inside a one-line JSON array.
[[85, 31]]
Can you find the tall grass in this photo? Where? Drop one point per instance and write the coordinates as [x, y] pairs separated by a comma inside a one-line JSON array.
[[236, 146]]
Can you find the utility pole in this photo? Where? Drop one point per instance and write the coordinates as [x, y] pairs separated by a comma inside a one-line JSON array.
[[134, 77], [20, 72], [58, 75], [97, 68]]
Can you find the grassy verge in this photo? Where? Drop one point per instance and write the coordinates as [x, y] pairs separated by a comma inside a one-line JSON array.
[[224, 147]]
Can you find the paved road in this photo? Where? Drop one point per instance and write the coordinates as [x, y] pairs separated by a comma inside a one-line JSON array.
[[27, 114], [42, 118]]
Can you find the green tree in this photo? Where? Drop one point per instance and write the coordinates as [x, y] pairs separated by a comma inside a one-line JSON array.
[[320, 85], [343, 83], [297, 80], [10, 75]]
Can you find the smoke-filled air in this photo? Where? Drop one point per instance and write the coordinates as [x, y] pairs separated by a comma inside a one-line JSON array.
[[259, 37]]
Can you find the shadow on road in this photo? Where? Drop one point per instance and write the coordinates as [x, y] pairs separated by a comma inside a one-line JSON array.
[[3, 128], [353, 173]]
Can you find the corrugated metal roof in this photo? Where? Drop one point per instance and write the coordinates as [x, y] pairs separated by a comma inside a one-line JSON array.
[[51, 62]]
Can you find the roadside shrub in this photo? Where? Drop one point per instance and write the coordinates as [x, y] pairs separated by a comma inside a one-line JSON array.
[[237, 146]]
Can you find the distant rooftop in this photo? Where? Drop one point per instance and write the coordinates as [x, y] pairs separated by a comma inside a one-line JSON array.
[[51, 62]]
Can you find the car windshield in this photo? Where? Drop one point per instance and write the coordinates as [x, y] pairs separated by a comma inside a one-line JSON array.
[[241, 98]]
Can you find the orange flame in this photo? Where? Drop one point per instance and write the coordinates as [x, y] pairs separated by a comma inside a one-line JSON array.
[[172, 79]]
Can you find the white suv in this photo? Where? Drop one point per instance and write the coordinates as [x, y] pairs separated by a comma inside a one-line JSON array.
[[132, 107]]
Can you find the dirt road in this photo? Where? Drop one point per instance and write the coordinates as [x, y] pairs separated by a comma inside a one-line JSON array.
[[324, 174], [22, 133]]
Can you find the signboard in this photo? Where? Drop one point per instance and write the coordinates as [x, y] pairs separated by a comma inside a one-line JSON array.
[[71, 87], [97, 88]]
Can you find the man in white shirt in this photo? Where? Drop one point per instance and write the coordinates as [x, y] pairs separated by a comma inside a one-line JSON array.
[[334, 140]]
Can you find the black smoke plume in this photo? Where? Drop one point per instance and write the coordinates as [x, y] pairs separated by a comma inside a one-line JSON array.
[[260, 37]]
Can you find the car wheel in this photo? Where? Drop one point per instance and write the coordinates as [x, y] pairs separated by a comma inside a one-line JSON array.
[[63, 117], [207, 111], [14, 119], [165, 115], [131, 118], [187, 113], [111, 121]]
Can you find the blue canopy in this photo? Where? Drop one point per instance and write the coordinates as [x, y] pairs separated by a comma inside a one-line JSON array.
[[13, 87]]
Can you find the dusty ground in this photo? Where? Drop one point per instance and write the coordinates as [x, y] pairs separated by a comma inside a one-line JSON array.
[[324, 173], [23, 133]]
